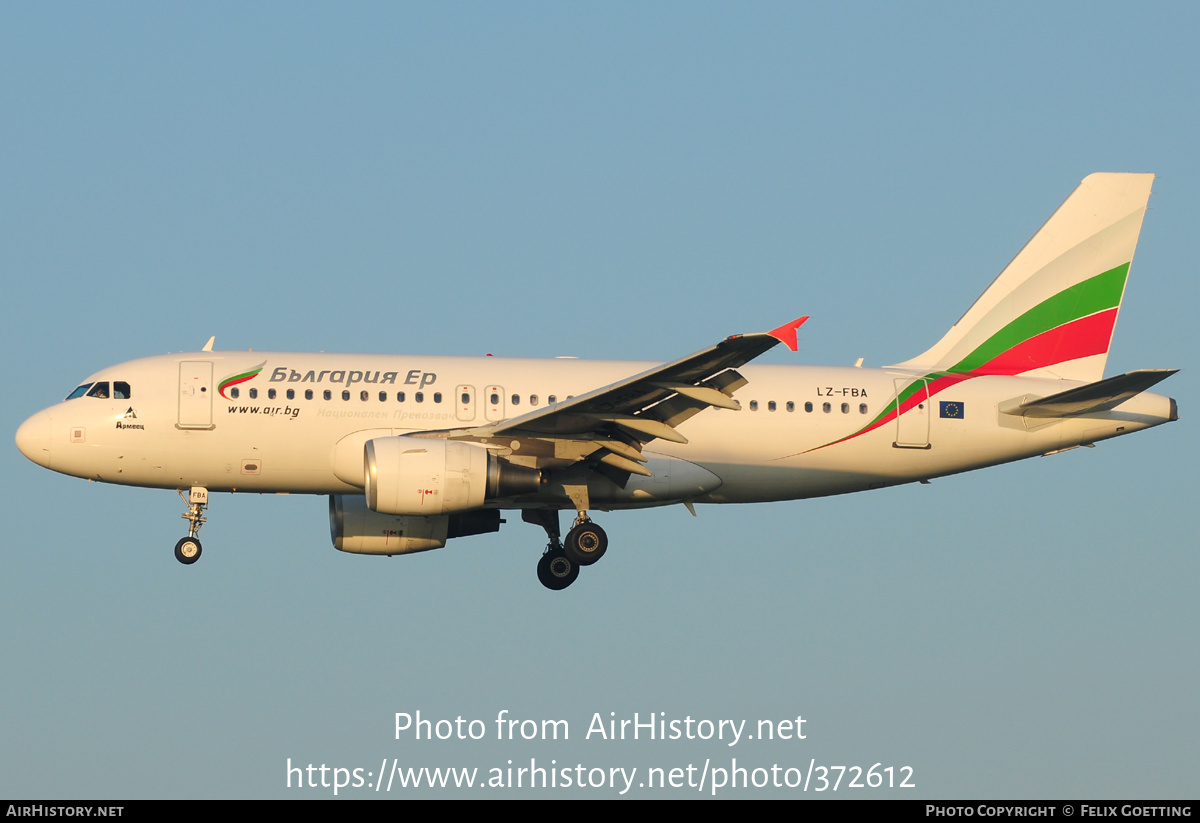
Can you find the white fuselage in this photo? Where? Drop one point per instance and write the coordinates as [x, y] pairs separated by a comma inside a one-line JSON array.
[[181, 425]]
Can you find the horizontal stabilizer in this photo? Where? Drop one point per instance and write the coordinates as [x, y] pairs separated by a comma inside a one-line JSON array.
[[1094, 397]]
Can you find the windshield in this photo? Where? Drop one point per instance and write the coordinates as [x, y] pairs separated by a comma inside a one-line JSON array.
[[120, 390]]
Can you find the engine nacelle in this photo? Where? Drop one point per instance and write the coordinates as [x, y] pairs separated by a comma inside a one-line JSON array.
[[419, 476], [358, 530]]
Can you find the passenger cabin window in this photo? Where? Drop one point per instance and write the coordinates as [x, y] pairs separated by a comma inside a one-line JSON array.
[[516, 399], [753, 405], [327, 394], [382, 396], [291, 394], [364, 396], [308, 394], [270, 394], [254, 394], [345, 394], [533, 399], [234, 393], [419, 396], [437, 397]]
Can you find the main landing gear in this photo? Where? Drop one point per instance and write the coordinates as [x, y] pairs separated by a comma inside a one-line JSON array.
[[187, 550], [559, 565]]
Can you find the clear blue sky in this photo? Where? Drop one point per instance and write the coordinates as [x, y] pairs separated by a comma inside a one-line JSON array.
[[622, 180]]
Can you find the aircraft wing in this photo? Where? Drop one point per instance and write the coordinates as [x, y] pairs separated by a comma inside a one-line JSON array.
[[612, 423]]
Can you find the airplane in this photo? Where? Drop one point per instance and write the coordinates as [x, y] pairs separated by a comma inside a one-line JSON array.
[[413, 451]]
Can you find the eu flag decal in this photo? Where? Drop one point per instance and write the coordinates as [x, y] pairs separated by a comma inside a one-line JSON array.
[[953, 409]]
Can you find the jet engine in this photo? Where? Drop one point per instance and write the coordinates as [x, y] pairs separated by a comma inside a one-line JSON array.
[[418, 476], [358, 530]]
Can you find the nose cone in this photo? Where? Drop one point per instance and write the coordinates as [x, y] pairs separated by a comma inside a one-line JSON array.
[[33, 439]]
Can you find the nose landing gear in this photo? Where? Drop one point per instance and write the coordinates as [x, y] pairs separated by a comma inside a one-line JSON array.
[[188, 549]]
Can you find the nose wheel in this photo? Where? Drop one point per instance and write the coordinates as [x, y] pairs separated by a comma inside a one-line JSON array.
[[187, 550]]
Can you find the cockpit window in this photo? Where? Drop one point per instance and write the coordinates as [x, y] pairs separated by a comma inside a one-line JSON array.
[[120, 390]]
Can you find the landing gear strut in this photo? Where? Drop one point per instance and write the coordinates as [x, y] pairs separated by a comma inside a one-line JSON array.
[[554, 569], [187, 550], [586, 542]]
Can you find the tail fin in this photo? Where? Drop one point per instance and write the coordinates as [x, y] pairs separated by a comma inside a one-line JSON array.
[[1051, 312]]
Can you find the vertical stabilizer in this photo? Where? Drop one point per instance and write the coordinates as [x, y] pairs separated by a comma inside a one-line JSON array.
[[1052, 311]]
